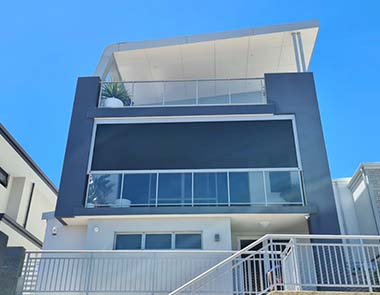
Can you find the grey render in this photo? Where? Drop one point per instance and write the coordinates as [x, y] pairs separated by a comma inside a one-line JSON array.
[[288, 93]]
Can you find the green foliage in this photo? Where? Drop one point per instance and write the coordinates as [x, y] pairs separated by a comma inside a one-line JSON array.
[[117, 90], [99, 189]]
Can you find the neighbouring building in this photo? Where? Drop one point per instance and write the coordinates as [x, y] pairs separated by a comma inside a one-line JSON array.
[[25, 194], [197, 165], [358, 201]]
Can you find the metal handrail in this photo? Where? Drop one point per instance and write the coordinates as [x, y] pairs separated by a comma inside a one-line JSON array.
[[186, 80], [268, 237], [220, 264], [283, 262], [128, 251]]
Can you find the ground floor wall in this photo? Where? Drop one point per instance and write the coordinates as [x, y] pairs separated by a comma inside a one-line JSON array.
[[217, 232], [64, 237]]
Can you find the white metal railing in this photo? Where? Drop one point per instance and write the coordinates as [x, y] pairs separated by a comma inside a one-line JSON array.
[[295, 262], [182, 92], [126, 272], [273, 262], [212, 187]]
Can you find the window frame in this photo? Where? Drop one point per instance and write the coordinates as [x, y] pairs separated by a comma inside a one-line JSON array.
[[6, 176], [172, 240]]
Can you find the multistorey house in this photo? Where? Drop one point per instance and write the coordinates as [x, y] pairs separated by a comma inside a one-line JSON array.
[[183, 155], [25, 194], [358, 201], [217, 136]]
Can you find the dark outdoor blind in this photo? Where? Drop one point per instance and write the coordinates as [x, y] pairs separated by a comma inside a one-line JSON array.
[[200, 145]]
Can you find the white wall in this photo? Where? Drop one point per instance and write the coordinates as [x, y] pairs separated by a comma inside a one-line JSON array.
[[345, 205], [15, 239], [14, 199], [67, 237], [208, 226], [86, 238], [364, 211]]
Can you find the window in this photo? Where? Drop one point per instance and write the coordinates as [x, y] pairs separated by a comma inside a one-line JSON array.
[[188, 241], [4, 177], [128, 242], [158, 241]]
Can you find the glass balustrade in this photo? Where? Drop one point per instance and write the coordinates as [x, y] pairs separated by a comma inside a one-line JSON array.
[[182, 93], [195, 188]]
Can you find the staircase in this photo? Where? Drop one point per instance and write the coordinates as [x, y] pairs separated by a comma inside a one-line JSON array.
[[278, 263]]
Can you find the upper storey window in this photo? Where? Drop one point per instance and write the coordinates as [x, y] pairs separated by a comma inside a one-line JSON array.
[[194, 145], [219, 163]]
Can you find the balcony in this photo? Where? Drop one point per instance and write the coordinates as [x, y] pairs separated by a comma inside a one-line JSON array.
[[234, 187], [182, 93], [273, 262]]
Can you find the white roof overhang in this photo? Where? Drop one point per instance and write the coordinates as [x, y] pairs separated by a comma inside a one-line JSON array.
[[234, 54]]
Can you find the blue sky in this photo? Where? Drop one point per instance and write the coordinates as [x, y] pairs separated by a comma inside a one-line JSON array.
[[46, 45]]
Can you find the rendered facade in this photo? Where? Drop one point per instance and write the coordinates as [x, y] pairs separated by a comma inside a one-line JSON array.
[[358, 201], [197, 165], [25, 194], [211, 139]]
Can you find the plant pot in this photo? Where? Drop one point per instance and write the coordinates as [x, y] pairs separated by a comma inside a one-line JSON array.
[[113, 102]]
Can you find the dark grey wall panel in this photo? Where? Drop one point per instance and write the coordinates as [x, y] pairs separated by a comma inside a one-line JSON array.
[[201, 145], [295, 93], [289, 93], [203, 110], [74, 174]]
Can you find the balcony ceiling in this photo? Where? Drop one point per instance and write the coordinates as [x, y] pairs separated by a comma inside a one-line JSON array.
[[235, 54]]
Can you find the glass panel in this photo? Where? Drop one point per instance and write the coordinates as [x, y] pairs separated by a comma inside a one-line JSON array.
[[158, 241], [128, 242], [116, 94], [188, 241], [247, 188], [139, 189], [283, 187], [210, 188], [103, 190], [180, 93], [246, 91], [174, 188], [213, 92], [148, 93]]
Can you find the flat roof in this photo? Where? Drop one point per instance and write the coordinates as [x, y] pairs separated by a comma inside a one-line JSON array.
[[241, 53]]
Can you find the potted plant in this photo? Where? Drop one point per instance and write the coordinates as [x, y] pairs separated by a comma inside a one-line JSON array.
[[100, 188], [114, 95]]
